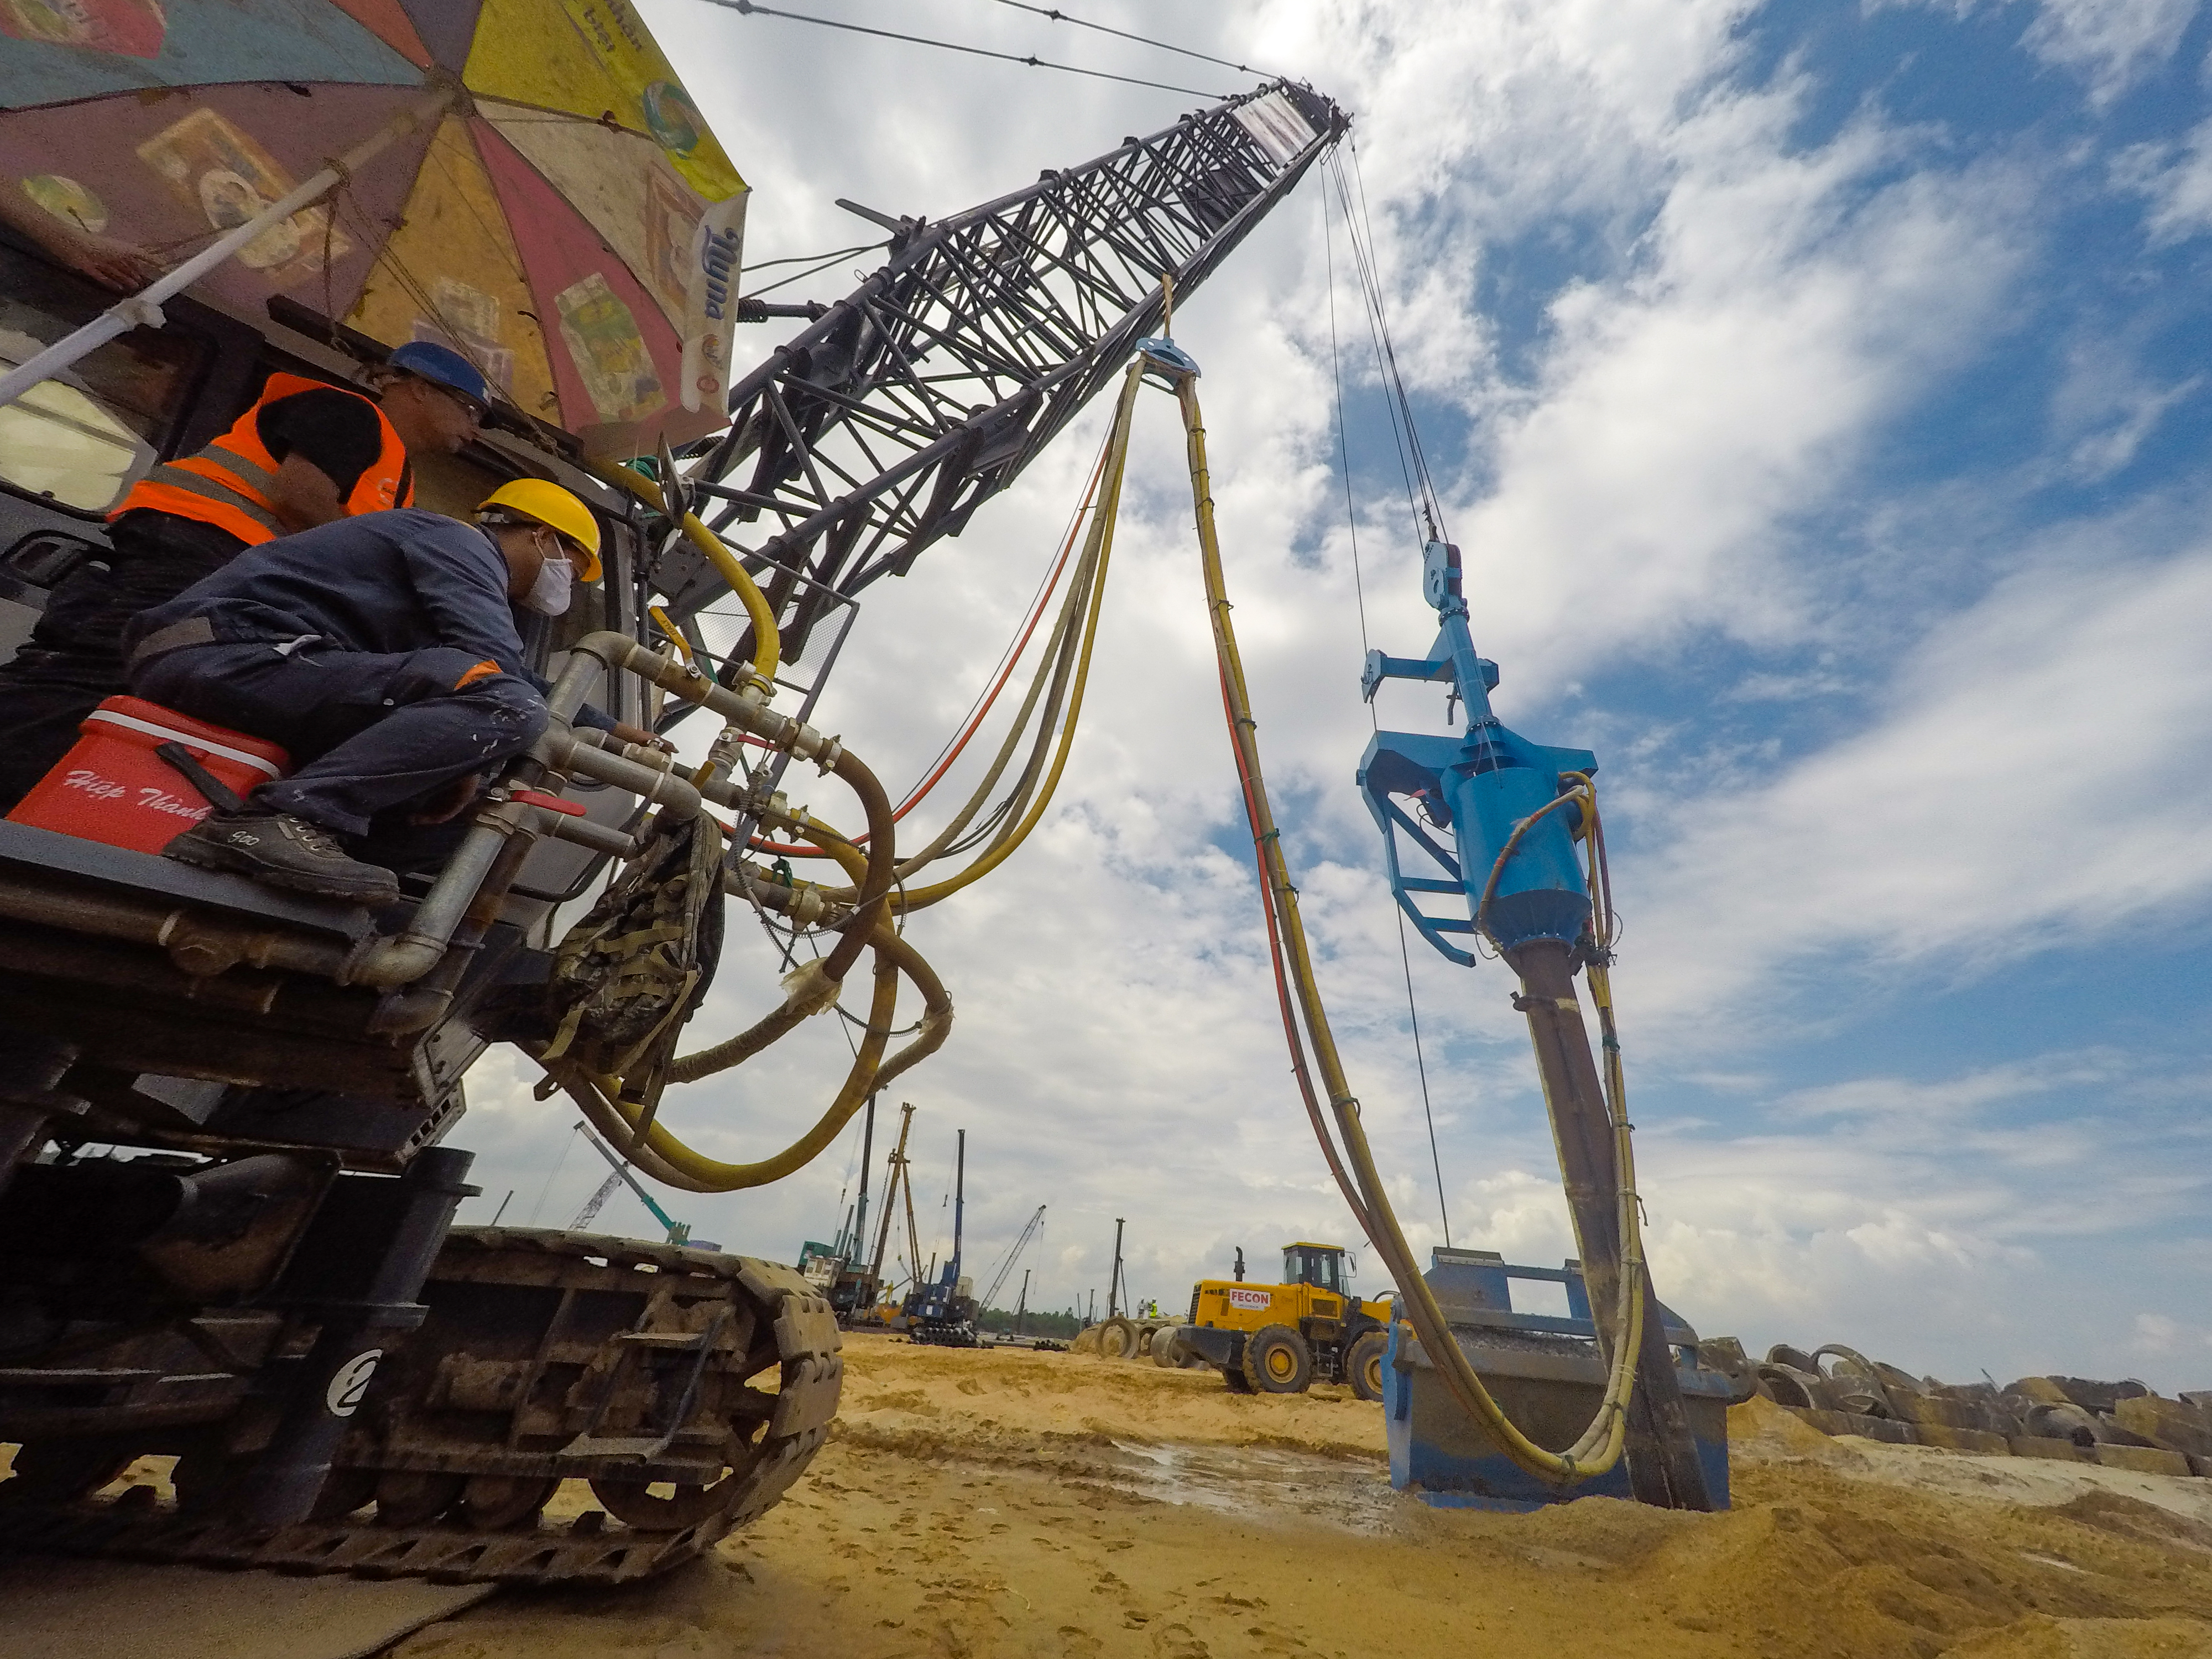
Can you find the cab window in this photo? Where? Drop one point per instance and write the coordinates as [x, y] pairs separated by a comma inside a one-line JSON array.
[[81, 439], [1318, 1268]]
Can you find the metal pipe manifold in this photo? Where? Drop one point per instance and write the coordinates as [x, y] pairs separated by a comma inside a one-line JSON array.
[[746, 707], [569, 751]]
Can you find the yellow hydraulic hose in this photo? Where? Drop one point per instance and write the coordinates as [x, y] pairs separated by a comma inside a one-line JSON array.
[[733, 1051], [631, 1124], [1097, 551], [1599, 1446], [767, 647], [668, 1160]]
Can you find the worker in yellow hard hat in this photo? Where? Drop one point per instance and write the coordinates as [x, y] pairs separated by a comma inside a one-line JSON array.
[[534, 501], [383, 653], [305, 453]]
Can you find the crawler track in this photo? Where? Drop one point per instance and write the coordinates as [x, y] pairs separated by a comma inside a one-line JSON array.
[[544, 1356]]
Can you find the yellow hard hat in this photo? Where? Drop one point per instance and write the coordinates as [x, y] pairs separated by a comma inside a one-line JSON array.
[[556, 508]]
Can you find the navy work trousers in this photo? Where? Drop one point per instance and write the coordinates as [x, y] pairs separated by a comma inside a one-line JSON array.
[[368, 734]]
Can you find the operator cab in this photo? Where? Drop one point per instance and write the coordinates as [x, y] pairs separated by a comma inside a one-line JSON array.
[[173, 1074], [1320, 1266]]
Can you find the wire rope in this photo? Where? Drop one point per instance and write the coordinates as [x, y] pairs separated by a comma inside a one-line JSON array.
[[1058, 16], [815, 258], [1369, 290], [1432, 507], [551, 1176], [1359, 595], [800, 277], [748, 9]]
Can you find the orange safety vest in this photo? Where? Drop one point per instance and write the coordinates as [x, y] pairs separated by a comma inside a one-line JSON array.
[[227, 484]]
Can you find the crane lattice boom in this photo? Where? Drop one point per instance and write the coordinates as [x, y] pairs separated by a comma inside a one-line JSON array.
[[885, 424]]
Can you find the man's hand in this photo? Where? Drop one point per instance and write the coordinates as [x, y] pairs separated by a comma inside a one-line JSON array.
[[642, 739], [123, 266], [108, 260]]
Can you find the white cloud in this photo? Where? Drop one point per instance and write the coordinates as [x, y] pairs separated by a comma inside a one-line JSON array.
[[2155, 1333], [1992, 805], [2176, 181], [1678, 456], [1690, 414], [2111, 43], [2113, 411], [1889, 1096]]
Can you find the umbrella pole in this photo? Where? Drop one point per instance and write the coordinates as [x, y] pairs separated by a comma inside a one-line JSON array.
[[145, 308]]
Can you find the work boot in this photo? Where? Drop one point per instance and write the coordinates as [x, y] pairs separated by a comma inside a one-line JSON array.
[[286, 852]]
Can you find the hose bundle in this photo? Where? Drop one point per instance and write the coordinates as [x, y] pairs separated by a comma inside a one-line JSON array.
[[1052, 708]]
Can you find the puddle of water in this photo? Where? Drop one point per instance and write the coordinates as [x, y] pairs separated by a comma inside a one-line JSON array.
[[1262, 1482]]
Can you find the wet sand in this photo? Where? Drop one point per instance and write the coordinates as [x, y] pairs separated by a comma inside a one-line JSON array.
[[1015, 1504]]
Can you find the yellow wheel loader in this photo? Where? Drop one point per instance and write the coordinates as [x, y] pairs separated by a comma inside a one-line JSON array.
[[1278, 1338]]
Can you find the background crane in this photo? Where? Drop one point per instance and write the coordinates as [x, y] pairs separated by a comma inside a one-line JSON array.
[[1036, 1227], [679, 1232]]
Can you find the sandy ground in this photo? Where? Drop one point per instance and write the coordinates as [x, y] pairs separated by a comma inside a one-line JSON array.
[[1014, 1504]]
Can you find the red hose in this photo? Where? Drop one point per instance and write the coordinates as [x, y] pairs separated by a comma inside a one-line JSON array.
[[797, 849], [1282, 984]]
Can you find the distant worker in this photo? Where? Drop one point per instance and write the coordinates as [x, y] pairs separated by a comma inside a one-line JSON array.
[[306, 453], [382, 652]]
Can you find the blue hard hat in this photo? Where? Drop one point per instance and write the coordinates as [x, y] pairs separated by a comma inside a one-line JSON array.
[[441, 364]]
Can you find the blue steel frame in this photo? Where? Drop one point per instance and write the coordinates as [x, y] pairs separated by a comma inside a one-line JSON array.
[[1475, 787]]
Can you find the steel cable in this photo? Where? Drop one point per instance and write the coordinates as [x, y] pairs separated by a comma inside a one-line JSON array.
[[1359, 596], [748, 8], [1058, 16]]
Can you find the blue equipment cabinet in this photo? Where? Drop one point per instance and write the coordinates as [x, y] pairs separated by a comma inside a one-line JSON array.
[[1544, 1370]]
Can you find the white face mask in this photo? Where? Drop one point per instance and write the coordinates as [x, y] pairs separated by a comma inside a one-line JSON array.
[[549, 594]]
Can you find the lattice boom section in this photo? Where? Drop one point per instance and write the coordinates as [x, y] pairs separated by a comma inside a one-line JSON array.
[[885, 423]]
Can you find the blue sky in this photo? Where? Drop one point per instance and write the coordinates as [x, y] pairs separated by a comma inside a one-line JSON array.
[[1819, 395]]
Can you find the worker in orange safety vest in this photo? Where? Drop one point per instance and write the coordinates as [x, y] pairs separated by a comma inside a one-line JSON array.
[[306, 453]]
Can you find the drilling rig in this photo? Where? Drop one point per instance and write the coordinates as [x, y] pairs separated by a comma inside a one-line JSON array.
[[227, 1185]]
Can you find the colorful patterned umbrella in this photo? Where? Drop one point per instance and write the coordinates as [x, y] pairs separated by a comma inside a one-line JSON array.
[[568, 222]]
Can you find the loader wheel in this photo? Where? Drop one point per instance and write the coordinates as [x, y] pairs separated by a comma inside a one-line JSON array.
[[1117, 1339], [1278, 1361], [1363, 1366]]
